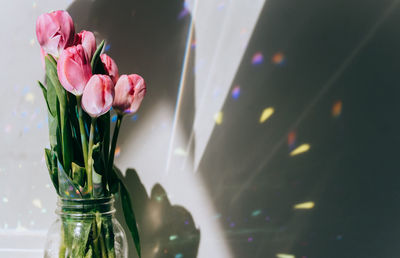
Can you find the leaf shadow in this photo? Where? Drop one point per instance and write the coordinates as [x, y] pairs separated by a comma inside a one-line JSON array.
[[165, 230]]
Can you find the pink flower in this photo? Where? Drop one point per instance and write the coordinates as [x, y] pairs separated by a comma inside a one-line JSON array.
[[88, 42], [129, 93], [74, 69], [55, 31], [98, 95], [110, 66]]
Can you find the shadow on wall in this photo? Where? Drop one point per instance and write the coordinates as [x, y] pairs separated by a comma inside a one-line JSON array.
[[148, 37], [165, 230]]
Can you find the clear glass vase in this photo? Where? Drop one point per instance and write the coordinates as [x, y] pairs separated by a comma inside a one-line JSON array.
[[86, 228]]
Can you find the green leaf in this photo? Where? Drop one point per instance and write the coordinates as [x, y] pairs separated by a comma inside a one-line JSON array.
[[51, 73], [51, 98], [130, 216], [98, 167], [47, 157], [44, 91], [52, 59], [77, 241], [89, 253], [50, 163], [96, 64], [53, 127], [103, 125], [78, 174], [66, 141], [67, 188], [113, 182], [108, 235]]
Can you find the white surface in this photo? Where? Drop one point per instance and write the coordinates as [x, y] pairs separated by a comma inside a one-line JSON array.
[[23, 123]]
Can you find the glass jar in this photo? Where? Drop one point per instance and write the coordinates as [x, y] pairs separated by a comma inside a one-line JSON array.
[[86, 228]]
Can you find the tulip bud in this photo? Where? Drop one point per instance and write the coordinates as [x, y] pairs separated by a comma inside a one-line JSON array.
[[88, 42], [74, 69], [98, 95], [129, 93], [111, 67], [55, 31]]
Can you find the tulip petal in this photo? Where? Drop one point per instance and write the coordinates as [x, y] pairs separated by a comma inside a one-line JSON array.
[[55, 31], [111, 67], [73, 69], [74, 74], [129, 93], [98, 95]]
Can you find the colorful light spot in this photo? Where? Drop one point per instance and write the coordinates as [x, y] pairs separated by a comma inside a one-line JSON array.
[[37, 203], [267, 113], [134, 117], [291, 140], [256, 213], [221, 6], [337, 108], [183, 13], [8, 128], [179, 255], [285, 256], [108, 47], [5, 199], [304, 206], [257, 59], [301, 149], [180, 152], [30, 97], [249, 239], [117, 152], [114, 118], [236, 92], [193, 45], [218, 117], [173, 237], [278, 59], [34, 5]]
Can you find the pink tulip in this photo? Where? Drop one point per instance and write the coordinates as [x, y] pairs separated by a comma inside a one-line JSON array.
[[74, 69], [129, 93], [110, 66], [98, 95], [88, 42], [55, 31]]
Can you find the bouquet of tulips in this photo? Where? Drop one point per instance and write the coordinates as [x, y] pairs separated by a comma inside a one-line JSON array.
[[82, 85]]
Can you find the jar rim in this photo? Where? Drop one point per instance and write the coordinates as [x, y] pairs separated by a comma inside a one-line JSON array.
[[85, 207], [66, 199]]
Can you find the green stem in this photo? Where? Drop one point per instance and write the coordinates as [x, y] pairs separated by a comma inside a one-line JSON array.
[[102, 245], [90, 158], [61, 252], [82, 130], [114, 143]]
